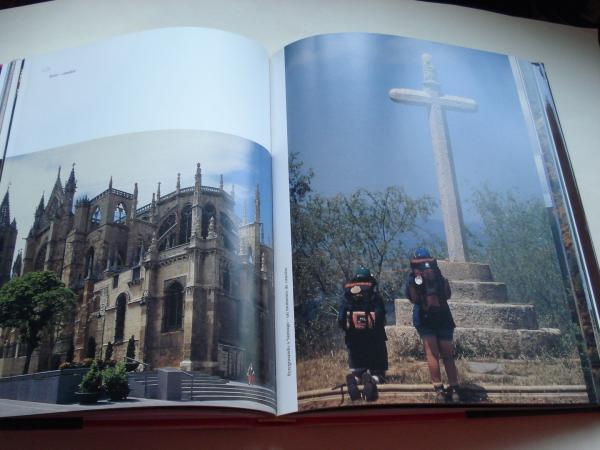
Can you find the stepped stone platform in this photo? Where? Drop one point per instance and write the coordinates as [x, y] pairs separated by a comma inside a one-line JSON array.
[[202, 387], [487, 325]]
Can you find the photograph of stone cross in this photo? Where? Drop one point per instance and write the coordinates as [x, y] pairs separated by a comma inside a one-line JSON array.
[[432, 97]]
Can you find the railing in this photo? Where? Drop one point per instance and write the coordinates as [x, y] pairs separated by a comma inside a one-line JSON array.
[[192, 386], [185, 190], [143, 209], [145, 366], [124, 194]]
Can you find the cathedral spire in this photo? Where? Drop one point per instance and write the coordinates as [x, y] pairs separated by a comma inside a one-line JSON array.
[[232, 193], [153, 208], [110, 183], [158, 191], [178, 182], [133, 210], [257, 205], [58, 183], [221, 182], [5, 211], [71, 183], [198, 174], [40, 208], [196, 209]]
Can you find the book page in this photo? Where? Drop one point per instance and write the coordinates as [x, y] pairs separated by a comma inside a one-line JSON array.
[[138, 174], [428, 232]]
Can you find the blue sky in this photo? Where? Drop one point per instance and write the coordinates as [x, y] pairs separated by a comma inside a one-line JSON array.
[[342, 122], [146, 158]]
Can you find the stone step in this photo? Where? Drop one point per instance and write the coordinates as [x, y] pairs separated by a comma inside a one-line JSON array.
[[470, 395], [470, 314], [186, 384], [228, 393], [483, 291], [481, 342], [465, 271], [203, 383], [231, 397]]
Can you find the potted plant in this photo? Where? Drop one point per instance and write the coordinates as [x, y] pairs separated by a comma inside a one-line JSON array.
[[89, 388], [114, 380]]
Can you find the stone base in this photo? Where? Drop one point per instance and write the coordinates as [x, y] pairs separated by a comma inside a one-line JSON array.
[[465, 271], [484, 291], [481, 342], [477, 314]]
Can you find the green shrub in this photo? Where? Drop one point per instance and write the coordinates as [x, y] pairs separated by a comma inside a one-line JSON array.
[[114, 380], [92, 380]]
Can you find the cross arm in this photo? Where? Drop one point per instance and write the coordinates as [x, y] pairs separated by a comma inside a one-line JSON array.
[[459, 103], [410, 96]]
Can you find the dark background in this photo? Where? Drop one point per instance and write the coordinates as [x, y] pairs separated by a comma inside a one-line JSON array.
[[579, 13]]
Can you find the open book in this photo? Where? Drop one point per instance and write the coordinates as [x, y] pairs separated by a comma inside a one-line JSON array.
[[359, 220]]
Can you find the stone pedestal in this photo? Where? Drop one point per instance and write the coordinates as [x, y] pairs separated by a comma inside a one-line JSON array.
[[169, 384], [487, 326]]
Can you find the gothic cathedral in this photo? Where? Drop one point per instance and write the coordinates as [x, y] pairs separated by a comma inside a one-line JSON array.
[[183, 275]]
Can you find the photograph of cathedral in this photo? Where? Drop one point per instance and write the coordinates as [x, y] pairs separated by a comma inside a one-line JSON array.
[[183, 274]]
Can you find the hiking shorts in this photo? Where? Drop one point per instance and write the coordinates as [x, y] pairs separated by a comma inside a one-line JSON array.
[[443, 334]]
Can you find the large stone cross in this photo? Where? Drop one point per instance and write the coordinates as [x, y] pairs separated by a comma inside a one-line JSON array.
[[431, 96]]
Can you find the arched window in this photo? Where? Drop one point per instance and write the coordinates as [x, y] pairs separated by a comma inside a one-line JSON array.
[[166, 233], [89, 263], [120, 213], [121, 307], [40, 259], [185, 226], [96, 217], [207, 212], [173, 307]]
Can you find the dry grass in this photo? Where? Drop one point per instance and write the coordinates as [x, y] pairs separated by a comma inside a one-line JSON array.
[[327, 371]]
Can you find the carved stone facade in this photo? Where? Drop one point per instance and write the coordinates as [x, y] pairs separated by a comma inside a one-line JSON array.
[[182, 275]]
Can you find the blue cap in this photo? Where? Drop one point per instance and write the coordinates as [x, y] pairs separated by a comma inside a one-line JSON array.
[[362, 272], [422, 252]]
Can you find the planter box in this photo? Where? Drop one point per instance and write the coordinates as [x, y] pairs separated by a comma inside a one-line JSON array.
[[55, 386]]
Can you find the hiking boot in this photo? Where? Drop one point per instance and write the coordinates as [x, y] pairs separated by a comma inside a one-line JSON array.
[[452, 394], [369, 388], [352, 385], [440, 393]]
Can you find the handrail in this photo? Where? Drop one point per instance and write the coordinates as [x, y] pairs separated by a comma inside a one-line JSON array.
[[192, 385], [127, 358], [135, 360]]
